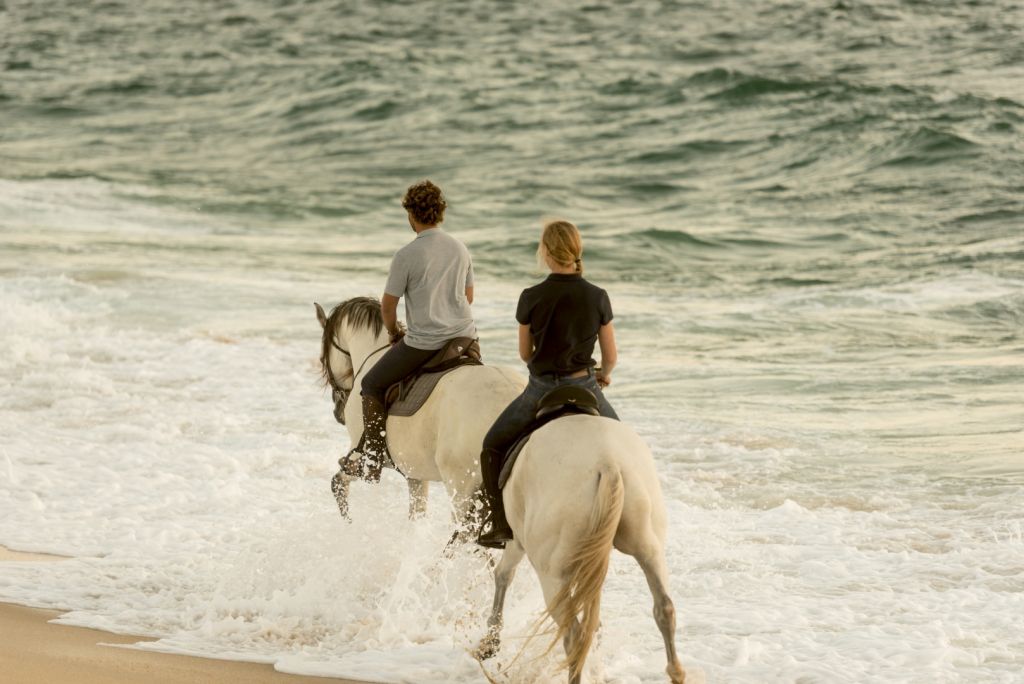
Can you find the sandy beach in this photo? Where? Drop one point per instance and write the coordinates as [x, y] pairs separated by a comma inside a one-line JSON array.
[[33, 651]]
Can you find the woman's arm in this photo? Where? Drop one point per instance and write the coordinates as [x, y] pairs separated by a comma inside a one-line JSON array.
[[609, 353], [525, 343]]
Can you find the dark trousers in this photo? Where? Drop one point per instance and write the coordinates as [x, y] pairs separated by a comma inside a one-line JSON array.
[[518, 415], [398, 363]]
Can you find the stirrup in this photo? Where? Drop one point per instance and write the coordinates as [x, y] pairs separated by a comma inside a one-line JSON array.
[[493, 537], [487, 542], [362, 466]]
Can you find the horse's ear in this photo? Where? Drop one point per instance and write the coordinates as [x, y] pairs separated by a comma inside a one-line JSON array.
[[320, 315]]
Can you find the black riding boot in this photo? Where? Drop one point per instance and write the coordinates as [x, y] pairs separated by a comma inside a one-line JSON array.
[[495, 530], [367, 459]]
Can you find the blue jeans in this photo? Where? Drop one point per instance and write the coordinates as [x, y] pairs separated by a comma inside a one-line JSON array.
[[518, 415]]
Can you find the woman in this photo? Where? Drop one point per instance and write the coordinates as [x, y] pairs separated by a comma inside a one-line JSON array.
[[559, 321]]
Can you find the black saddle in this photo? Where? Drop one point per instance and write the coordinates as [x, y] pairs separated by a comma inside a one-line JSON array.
[[562, 401], [565, 400], [460, 351]]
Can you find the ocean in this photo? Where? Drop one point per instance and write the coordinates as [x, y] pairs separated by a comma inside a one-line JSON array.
[[809, 219]]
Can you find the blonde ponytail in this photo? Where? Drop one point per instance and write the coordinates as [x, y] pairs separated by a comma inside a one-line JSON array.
[[561, 241]]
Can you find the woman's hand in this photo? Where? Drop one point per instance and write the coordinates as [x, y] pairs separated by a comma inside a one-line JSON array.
[[609, 354]]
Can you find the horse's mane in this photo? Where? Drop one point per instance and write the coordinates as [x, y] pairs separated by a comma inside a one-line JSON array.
[[359, 312]]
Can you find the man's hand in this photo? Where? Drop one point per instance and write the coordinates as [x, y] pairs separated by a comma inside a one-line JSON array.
[[389, 312], [603, 380], [398, 334]]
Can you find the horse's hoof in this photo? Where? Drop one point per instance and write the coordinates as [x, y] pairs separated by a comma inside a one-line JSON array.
[[339, 488], [488, 648], [361, 468], [676, 674]]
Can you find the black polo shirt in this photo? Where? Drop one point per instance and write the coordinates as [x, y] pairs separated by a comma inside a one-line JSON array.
[[564, 313]]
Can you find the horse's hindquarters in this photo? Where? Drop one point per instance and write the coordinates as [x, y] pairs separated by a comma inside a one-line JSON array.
[[558, 471], [580, 484]]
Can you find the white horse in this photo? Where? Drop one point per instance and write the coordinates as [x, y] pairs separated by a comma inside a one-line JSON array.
[[582, 485], [441, 442]]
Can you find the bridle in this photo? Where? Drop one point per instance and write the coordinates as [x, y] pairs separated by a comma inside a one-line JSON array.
[[339, 394]]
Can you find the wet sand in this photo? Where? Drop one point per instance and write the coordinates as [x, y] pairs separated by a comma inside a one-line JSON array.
[[33, 651]]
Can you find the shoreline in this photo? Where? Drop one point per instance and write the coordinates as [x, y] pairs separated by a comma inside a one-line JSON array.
[[35, 650], [7, 554]]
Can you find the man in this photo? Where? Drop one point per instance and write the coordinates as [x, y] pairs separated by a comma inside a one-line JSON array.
[[435, 275]]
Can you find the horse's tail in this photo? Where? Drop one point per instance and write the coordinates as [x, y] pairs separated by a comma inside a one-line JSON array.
[[581, 595]]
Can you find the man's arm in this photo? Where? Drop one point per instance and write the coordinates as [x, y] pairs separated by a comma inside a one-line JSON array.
[[469, 293], [525, 343], [389, 311], [609, 353]]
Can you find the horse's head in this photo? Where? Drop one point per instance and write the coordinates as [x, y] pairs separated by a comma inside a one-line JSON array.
[[346, 325]]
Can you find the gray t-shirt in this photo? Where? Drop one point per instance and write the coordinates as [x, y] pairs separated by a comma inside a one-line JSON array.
[[432, 272]]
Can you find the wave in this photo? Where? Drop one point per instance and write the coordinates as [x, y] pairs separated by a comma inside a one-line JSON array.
[[631, 86], [755, 86], [796, 282], [646, 189], [700, 55], [929, 146], [342, 117], [1007, 311], [237, 20], [754, 242], [69, 174], [925, 297], [994, 216], [667, 239], [688, 150], [674, 237], [713, 76], [133, 86], [324, 101], [83, 203], [378, 112], [58, 111], [742, 86], [1002, 127]]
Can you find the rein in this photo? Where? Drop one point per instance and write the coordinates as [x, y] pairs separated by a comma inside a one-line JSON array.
[[347, 353], [339, 394]]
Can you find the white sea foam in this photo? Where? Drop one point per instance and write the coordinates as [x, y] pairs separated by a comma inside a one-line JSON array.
[[172, 436], [92, 207]]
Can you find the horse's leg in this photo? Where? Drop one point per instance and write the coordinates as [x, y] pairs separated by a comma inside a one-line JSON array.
[[466, 515], [503, 575], [418, 491], [551, 586], [652, 561], [339, 487]]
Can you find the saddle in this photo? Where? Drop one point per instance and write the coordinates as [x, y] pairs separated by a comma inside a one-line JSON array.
[[562, 401], [406, 397]]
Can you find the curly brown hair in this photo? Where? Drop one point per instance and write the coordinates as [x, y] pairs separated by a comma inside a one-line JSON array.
[[425, 202]]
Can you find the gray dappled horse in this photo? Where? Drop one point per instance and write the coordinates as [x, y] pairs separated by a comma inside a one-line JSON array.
[[441, 442]]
